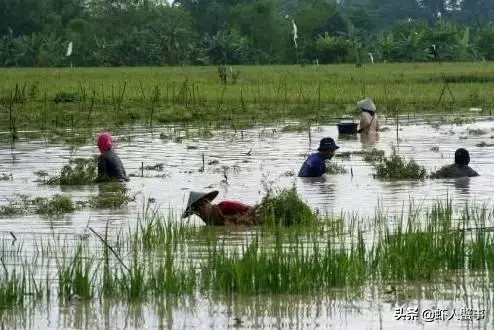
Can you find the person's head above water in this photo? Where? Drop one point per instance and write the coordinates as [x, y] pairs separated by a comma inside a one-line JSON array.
[[327, 147], [462, 157], [105, 142]]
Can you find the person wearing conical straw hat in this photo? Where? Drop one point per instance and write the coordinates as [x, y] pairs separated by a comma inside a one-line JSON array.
[[221, 214], [368, 120]]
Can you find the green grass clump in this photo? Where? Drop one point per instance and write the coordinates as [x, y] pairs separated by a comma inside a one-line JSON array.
[[286, 208], [79, 171], [395, 167], [56, 205], [76, 277], [23, 205], [16, 206], [334, 168], [155, 167], [300, 269], [113, 195], [13, 289]]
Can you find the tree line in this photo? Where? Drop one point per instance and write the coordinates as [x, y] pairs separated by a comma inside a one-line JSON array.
[[206, 32]]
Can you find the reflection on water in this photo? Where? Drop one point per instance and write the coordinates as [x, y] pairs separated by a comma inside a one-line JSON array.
[[241, 165], [369, 140]]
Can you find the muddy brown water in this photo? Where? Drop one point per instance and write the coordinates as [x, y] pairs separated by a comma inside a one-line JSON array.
[[250, 159]]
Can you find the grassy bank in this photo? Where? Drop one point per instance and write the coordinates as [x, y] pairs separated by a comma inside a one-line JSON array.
[[49, 98]]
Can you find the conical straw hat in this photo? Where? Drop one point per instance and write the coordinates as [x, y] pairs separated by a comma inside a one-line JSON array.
[[195, 197]]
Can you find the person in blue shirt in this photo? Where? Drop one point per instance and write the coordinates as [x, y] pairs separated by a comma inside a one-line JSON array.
[[315, 164]]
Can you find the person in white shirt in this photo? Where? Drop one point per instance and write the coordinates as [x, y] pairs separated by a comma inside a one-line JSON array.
[[369, 123]]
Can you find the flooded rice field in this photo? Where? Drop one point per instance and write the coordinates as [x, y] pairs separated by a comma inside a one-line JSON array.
[[241, 164]]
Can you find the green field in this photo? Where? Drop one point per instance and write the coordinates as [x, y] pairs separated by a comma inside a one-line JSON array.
[[114, 96]]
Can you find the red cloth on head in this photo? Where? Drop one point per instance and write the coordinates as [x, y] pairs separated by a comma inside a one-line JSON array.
[[233, 208], [105, 142]]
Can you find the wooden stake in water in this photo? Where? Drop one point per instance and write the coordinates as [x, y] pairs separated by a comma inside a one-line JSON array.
[[310, 137], [142, 169], [397, 129]]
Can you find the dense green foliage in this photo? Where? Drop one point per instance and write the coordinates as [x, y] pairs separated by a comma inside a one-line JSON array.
[[286, 208], [157, 32]]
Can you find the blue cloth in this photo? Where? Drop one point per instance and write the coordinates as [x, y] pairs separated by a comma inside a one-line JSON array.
[[314, 166]]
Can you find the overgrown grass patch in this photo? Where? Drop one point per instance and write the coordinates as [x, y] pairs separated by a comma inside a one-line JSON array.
[[79, 171], [395, 167], [335, 168], [285, 207]]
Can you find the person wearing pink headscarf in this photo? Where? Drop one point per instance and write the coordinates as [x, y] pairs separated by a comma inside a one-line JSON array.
[[110, 166]]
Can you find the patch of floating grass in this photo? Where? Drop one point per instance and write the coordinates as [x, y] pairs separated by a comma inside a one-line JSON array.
[[285, 208], [15, 207], [395, 167], [334, 169], [434, 149], [58, 204], [113, 195], [484, 144], [79, 171], [345, 154], [155, 167]]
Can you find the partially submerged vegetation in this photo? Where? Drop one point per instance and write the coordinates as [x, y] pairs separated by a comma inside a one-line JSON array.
[[334, 168], [112, 195], [79, 171], [426, 245], [285, 208], [395, 167], [23, 205]]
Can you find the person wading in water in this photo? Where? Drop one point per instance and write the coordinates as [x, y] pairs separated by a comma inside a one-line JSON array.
[[110, 166], [369, 123], [315, 164], [221, 214], [459, 169]]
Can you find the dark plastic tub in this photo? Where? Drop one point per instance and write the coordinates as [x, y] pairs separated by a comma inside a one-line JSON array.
[[347, 128]]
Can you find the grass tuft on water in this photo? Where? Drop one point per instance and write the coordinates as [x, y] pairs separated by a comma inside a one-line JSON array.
[[334, 169], [395, 167], [58, 204], [112, 195], [23, 205], [286, 208], [79, 171]]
